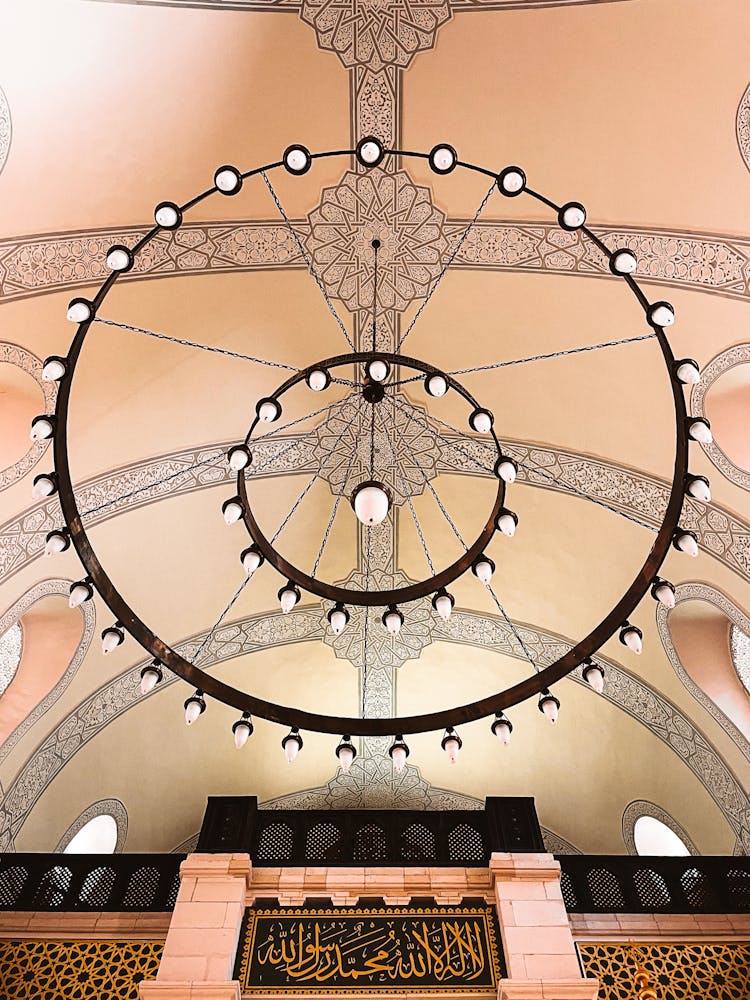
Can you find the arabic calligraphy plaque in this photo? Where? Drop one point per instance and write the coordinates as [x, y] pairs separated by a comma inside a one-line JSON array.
[[344, 950]]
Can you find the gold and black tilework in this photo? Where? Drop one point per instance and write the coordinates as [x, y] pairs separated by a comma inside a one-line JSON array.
[[669, 971], [76, 970]]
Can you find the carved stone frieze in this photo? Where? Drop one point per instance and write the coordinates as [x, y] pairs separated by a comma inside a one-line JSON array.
[[641, 807], [377, 205], [14, 354], [716, 367], [712, 263], [376, 33]]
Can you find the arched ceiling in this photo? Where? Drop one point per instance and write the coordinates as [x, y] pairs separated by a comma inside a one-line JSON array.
[[635, 109]]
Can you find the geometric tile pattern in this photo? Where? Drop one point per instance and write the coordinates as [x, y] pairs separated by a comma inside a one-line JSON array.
[[77, 970], [675, 971]]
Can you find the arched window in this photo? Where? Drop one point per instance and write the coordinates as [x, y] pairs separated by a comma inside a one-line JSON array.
[[654, 838], [100, 829], [10, 654], [98, 836], [739, 643]]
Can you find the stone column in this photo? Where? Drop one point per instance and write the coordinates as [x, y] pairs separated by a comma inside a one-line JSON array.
[[201, 945], [540, 955]]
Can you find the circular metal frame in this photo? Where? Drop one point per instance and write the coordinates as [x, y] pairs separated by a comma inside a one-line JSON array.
[[346, 595], [297, 718]]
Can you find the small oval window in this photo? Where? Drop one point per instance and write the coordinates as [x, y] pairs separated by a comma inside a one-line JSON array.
[[740, 646], [98, 836], [10, 654], [654, 839]]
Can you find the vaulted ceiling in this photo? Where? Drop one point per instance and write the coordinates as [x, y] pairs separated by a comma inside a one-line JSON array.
[[641, 111]]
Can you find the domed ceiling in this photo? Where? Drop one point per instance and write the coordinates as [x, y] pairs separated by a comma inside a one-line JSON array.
[[637, 110]]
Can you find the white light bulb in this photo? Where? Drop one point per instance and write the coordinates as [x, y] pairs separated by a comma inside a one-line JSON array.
[[484, 571], [512, 182], [377, 370], [507, 524], [443, 158], [296, 160], [481, 422], [665, 595], [371, 505], [268, 411], [79, 593], [55, 544], [41, 429], [110, 640], [594, 677], [241, 734], [507, 471], [437, 385], [338, 622], [346, 756], [399, 758], [232, 512], [502, 731], [452, 748], [287, 600], [238, 459], [549, 707], [624, 262], [700, 489], [192, 712], [663, 315], [317, 380], [118, 259], [444, 606], [687, 544], [574, 216], [700, 431], [369, 151], [149, 680], [393, 622], [78, 312], [688, 373], [44, 486], [166, 216], [53, 370], [251, 561], [633, 641], [227, 180], [291, 749]]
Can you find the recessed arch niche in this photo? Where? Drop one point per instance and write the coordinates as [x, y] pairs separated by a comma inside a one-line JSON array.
[[54, 639], [723, 396], [23, 395], [100, 829], [647, 829], [696, 637]]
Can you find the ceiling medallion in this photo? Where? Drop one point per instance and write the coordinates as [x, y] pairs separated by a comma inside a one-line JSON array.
[[376, 386]]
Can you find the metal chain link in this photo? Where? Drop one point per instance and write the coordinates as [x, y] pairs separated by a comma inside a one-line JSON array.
[[191, 343], [448, 263], [366, 626], [307, 259], [297, 502], [209, 635], [512, 627]]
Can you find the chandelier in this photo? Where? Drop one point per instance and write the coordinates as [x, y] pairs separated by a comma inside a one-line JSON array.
[[374, 379]]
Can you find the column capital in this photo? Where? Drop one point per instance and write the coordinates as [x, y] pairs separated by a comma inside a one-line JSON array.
[[548, 989], [217, 866], [189, 991], [526, 867]]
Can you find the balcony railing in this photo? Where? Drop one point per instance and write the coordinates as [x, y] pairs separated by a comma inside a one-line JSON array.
[[623, 884]]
